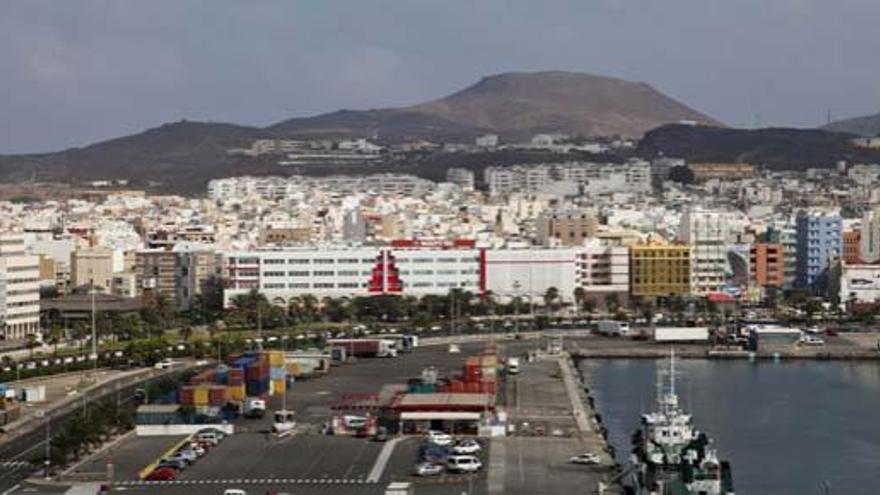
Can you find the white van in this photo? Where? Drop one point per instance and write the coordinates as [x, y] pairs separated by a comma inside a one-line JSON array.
[[463, 464], [512, 365]]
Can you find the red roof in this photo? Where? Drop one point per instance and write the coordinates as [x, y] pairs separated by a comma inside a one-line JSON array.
[[719, 297]]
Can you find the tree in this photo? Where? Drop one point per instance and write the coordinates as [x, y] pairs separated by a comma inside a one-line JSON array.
[[32, 343], [681, 174], [186, 332], [54, 337], [612, 302]]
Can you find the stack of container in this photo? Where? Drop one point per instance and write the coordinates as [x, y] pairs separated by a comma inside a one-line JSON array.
[[257, 377], [277, 372], [235, 385]]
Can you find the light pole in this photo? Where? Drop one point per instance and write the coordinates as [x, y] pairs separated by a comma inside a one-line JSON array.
[[516, 287], [94, 355]]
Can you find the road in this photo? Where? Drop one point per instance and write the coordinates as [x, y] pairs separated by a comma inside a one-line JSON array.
[[30, 441]]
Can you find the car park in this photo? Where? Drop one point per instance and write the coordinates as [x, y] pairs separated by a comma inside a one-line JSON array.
[[439, 438], [428, 469], [430, 452], [589, 458], [465, 447], [463, 464]]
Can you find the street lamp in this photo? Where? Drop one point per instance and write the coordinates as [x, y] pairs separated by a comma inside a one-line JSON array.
[[516, 287]]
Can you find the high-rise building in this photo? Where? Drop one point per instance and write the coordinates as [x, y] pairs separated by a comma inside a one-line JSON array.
[[870, 237], [819, 242], [852, 240], [705, 231], [787, 237], [93, 267], [660, 270], [19, 289], [461, 177], [767, 265], [178, 275]]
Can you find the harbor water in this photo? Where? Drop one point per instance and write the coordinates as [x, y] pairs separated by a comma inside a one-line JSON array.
[[788, 428]]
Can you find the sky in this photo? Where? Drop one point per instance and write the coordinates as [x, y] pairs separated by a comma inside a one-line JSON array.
[[75, 72]]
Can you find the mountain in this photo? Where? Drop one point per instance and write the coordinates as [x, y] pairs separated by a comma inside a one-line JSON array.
[[514, 105], [183, 156], [775, 148], [862, 126]]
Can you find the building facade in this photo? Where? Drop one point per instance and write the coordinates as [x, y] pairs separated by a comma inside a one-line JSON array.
[[566, 228], [706, 232], [92, 266], [20, 287], [819, 243], [852, 241], [660, 270], [787, 237], [767, 265], [869, 250]]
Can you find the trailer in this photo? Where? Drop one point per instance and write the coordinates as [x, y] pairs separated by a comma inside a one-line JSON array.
[[609, 327], [365, 347], [403, 342], [681, 334]]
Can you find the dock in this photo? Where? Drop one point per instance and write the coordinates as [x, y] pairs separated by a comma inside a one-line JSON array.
[[550, 421]]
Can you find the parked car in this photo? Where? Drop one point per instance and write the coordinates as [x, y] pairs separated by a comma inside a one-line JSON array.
[[588, 458], [428, 469], [812, 340], [198, 448], [463, 464], [465, 447], [210, 437], [188, 454], [439, 438], [381, 434], [162, 474], [430, 452], [176, 464], [178, 457]]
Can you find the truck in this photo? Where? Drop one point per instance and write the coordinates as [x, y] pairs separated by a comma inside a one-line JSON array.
[[402, 342], [512, 366], [365, 347], [254, 407], [681, 334], [616, 328]]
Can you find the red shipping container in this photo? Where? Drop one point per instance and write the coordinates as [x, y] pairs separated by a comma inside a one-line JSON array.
[[187, 396], [472, 387], [456, 387], [442, 389], [487, 387], [217, 396], [235, 376]]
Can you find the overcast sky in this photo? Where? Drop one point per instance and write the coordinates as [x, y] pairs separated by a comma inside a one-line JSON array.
[[74, 72]]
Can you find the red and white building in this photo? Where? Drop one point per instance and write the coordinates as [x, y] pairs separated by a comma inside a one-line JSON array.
[[421, 268]]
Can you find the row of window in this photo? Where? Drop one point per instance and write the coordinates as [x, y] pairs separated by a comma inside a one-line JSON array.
[[357, 285]]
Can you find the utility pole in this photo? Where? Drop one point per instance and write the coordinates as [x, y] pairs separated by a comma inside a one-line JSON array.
[[94, 355], [259, 325], [48, 461]]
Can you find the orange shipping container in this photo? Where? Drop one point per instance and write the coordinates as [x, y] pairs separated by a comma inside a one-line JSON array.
[[187, 396], [235, 393]]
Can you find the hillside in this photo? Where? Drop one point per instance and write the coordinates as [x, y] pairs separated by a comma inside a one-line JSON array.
[[862, 126], [515, 106], [776, 148], [177, 155]]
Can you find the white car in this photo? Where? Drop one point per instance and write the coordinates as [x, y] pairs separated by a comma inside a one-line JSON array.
[[454, 349], [428, 469], [467, 447], [588, 458], [439, 438], [812, 340], [463, 464]]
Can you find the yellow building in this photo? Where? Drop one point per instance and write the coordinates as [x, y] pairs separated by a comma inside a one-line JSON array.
[[660, 270]]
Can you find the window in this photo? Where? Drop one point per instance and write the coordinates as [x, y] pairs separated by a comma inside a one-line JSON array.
[[273, 274], [299, 273], [322, 285], [273, 286], [274, 261], [348, 285], [348, 261], [348, 273], [323, 273], [324, 261], [298, 285], [299, 261]]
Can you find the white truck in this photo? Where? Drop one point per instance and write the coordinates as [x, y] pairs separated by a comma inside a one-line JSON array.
[[512, 366], [616, 328], [681, 334], [254, 407]]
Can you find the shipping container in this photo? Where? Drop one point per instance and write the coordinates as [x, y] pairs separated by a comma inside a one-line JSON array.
[[221, 375], [235, 393], [187, 395], [257, 387], [365, 347], [200, 396], [277, 387], [472, 387], [217, 395], [277, 373], [276, 358], [235, 376]]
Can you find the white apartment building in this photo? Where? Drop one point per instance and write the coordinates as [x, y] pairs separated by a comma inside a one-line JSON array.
[[705, 231], [591, 178], [603, 270], [859, 284], [869, 249], [461, 177], [20, 289], [528, 273]]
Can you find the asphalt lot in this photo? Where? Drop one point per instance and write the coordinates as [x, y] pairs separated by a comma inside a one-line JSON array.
[[130, 456]]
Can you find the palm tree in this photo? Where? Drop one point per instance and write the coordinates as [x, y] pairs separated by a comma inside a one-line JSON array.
[[32, 343], [56, 334], [550, 298], [580, 295]]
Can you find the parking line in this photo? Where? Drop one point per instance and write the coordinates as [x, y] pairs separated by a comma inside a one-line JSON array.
[[382, 459]]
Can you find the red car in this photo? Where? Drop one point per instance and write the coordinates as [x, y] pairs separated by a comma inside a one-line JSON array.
[[162, 474]]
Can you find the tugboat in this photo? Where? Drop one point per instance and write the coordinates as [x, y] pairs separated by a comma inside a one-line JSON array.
[[670, 457]]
